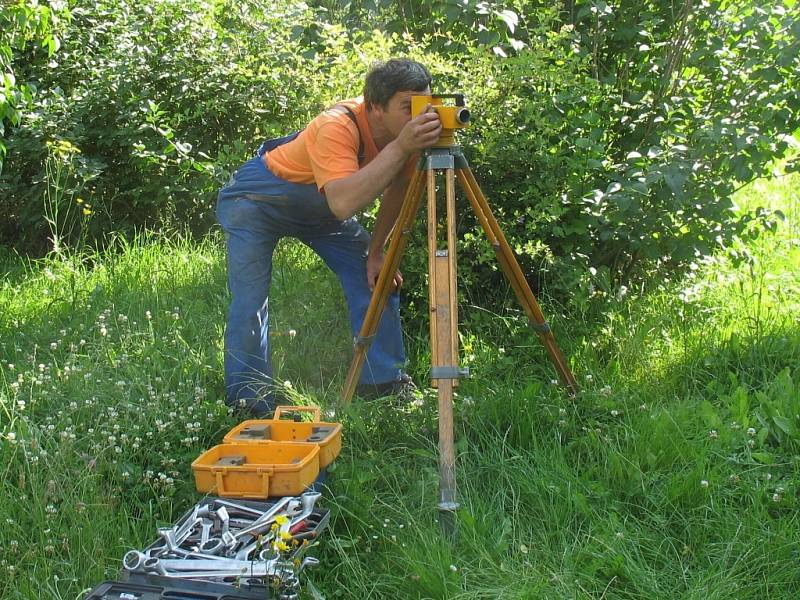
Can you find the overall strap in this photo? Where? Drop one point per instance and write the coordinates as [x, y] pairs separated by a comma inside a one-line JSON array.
[[352, 116]]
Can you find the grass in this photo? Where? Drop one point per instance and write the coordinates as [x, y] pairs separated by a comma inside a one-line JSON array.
[[674, 474]]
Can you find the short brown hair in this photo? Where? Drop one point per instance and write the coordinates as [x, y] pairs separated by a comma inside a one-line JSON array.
[[385, 79]]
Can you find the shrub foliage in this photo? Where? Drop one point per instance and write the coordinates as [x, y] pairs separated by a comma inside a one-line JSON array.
[[608, 136]]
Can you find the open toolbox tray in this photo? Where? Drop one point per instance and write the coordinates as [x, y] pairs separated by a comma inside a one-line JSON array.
[[257, 470], [327, 436], [313, 526], [152, 586]]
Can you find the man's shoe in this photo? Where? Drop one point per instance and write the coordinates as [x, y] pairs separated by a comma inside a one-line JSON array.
[[256, 408], [403, 389]]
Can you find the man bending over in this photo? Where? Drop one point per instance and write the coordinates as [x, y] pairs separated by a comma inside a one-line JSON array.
[[309, 185]]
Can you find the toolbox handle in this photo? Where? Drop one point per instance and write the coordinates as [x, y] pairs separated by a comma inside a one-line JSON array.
[[221, 491], [280, 410]]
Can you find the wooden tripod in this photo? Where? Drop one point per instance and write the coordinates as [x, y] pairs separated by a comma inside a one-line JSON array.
[[445, 371]]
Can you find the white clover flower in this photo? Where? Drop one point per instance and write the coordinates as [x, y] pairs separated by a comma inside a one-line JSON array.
[[713, 434], [292, 333], [11, 437], [453, 568], [287, 384], [704, 483], [751, 431]]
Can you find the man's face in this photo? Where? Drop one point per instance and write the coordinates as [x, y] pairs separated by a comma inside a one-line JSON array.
[[397, 111]]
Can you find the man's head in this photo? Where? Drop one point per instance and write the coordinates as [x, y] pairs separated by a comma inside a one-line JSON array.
[[385, 79], [387, 95]]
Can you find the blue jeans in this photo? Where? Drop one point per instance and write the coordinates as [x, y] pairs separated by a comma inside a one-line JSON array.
[[256, 209]]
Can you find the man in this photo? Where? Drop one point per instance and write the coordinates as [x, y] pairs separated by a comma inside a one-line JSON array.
[[309, 185]]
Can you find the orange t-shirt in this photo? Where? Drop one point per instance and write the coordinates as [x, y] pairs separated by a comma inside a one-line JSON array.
[[327, 149]]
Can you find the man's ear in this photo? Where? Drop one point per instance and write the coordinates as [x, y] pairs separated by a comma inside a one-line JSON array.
[[377, 110]]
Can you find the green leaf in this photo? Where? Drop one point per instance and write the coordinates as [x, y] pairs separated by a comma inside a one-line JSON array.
[[510, 18], [675, 180], [785, 425], [765, 458], [709, 415]]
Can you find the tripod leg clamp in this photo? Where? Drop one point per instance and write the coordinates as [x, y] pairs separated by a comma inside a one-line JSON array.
[[449, 372], [543, 327], [363, 342]]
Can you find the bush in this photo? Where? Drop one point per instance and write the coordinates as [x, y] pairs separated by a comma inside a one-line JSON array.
[[608, 138]]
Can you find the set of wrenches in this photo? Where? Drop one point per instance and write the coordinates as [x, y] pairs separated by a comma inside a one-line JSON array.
[[237, 542]]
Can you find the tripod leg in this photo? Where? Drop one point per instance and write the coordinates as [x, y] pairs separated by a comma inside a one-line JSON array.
[[444, 344], [513, 273], [380, 294]]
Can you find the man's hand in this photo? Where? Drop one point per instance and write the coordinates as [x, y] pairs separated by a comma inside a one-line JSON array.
[[420, 132], [374, 265]]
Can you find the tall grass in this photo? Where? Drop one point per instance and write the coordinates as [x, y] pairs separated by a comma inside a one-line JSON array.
[[674, 474]]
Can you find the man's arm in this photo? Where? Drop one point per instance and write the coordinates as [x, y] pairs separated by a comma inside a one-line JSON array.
[[350, 194], [389, 209], [391, 203]]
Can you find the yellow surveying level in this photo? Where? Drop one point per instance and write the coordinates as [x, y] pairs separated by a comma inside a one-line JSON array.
[[453, 115]]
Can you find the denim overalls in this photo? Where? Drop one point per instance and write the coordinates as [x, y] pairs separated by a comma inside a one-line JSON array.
[[256, 209]]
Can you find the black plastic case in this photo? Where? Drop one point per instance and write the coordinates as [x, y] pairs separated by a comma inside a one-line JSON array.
[[146, 587]]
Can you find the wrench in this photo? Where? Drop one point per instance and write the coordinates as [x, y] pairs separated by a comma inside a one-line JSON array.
[[205, 530], [200, 564], [308, 500], [291, 505], [239, 507]]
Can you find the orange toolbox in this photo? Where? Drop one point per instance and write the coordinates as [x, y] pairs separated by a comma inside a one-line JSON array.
[[270, 468], [327, 436]]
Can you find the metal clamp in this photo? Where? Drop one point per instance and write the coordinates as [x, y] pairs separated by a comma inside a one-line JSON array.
[[364, 342], [450, 372], [543, 327]]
